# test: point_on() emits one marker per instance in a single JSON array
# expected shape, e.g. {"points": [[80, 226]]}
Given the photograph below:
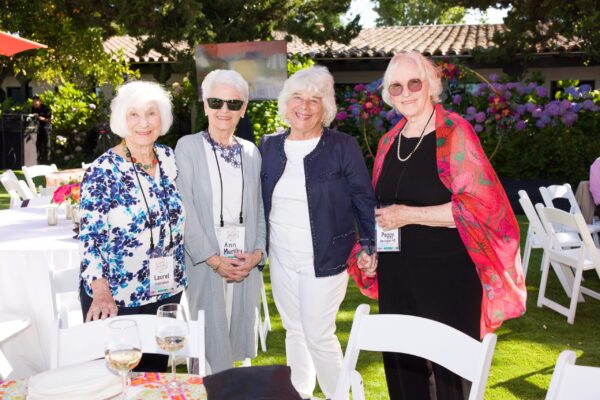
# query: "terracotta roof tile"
{"points": [[431, 40]]}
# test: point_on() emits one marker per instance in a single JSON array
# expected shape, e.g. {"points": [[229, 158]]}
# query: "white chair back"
{"points": [[37, 170], [64, 284], [87, 342], [552, 192], [579, 259], [16, 189], [535, 232], [85, 165], [420, 337], [570, 381]]}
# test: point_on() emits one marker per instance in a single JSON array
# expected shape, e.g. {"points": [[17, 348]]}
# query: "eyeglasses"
{"points": [[216, 104], [413, 85]]}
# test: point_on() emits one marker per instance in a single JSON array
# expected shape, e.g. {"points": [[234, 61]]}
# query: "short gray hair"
{"points": [[136, 94], [227, 77], [317, 80], [429, 71]]}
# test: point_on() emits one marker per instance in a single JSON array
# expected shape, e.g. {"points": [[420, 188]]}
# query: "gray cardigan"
{"points": [[205, 287]]}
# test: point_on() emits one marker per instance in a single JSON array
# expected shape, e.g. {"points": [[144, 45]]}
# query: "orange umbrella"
{"points": [[10, 44]]}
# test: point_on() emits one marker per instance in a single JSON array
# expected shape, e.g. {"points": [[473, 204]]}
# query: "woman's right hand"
{"points": [[103, 304], [228, 268], [367, 264]]}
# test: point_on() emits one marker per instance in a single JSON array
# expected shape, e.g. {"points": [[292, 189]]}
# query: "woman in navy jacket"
{"points": [[316, 193]]}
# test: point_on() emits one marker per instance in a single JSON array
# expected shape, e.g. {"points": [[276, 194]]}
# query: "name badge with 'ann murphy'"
{"points": [[231, 240], [162, 275], [387, 241]]}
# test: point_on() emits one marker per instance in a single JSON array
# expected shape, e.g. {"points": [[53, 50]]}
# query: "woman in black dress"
{"points": [[425, 191]]}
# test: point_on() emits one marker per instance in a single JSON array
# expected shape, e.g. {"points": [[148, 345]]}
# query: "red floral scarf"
{"points": [[482, 213]]}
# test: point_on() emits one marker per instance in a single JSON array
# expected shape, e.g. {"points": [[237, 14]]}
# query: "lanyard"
{"points": [[212, 143], [150, 220]]}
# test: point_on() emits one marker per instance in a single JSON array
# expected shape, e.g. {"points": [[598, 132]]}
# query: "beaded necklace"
{"points": [[138, 164]]}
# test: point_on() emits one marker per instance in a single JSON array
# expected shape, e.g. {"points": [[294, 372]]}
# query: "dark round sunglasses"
{"points": [[216, 104], [413, 85]]}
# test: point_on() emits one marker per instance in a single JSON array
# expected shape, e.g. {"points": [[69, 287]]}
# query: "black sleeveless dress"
{"points": [[432, 276]]}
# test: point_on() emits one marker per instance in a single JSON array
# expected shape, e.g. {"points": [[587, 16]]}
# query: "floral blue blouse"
{"points": [[115, 229]]}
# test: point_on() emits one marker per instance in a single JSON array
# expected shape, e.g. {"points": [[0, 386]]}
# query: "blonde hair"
{"points": [[317, 80], [136, 94], [429, 72]]}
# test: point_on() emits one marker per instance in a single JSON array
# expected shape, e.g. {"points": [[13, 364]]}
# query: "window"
{"points": [[14, 92]]}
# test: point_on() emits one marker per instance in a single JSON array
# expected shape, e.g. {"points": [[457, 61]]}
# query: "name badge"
{"points": [[387, 241], [162, 275], [231, 240]]}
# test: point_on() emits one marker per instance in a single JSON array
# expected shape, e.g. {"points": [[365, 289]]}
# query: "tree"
{"points": [[543, 23], [75, 51], [416, 12]]}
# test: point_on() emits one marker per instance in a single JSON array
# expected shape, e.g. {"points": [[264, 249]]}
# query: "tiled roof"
{"points": [[384, 42], [130, 44]]}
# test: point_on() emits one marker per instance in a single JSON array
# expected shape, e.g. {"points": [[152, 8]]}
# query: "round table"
{"points": [[29, 251], [144, 386]]}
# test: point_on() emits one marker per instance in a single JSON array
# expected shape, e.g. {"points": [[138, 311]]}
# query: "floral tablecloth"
{"points": [[144, 386]]}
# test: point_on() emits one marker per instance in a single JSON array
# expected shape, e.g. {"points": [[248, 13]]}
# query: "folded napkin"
{"points": [[91, 380]]}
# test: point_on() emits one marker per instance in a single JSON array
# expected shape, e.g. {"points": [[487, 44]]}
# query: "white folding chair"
{"points": [[570, 381], [431, 340], [16, 189], [87, 341], [10, 325], [264, 321], [85, 165], [537, 236], [582, 258], [37, 170], [64, 284], [550, 193]]}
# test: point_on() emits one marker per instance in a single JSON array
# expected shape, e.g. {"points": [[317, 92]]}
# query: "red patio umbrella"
{"points": [[10, 44]]}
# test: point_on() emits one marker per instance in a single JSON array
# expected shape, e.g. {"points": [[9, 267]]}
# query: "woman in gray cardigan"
{"points": [[219, 182]]}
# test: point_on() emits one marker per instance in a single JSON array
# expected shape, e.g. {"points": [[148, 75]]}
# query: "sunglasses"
{"points": [[216, 104], [413, 85]]}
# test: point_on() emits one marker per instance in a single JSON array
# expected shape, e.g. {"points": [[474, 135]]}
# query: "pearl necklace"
{"points": [[145, 167], [418, 143]]}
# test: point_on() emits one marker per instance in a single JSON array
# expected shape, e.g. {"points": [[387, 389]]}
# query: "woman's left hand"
{"points": [[393, 217], [249, 260]]}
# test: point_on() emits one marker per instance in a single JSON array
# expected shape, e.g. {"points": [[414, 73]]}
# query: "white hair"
{"points": [[317, 80], [137, 94], [225, 77], [428, 70]]}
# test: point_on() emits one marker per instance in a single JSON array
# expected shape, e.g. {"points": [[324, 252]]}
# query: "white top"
{"points": [[289, 218], [231, 175]]}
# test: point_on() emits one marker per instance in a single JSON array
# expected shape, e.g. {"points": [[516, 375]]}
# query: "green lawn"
{"points": [[527, 347]]}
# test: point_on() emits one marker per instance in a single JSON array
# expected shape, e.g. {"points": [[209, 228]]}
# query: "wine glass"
{"points": [[171, 332], [123, 349]]}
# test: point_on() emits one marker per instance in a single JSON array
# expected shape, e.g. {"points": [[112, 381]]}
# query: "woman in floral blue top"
{"points": [[132, 217]]}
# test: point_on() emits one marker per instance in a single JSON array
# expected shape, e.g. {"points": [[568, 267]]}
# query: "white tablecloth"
{"points": [[29, 250]]}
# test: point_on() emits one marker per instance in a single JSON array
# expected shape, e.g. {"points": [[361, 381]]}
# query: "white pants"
{"points": [[308, 307]]}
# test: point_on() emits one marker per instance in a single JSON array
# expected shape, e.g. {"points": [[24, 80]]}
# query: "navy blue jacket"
{"points": [[339, 192]]}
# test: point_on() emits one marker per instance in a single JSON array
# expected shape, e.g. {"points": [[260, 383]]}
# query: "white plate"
{"points": [[91, 380]]}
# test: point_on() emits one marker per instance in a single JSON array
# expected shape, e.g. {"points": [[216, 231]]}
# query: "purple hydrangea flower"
{"points": [[521, 109], [471, 110], [541, 91], [456, 99], [493, 77], [585, 89], [530, 107], [540, 124], [569, 118], [341, 116], [565, 105], [537, 113], [588, 105], [478, 128], [480, 117], [552, 108], [520, 125]]}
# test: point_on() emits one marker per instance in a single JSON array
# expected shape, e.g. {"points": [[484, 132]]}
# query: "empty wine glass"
{"points": [[171, 332], [123, 349]]}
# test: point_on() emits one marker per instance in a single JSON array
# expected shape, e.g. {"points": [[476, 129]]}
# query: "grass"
{"points": [[525, 354]]}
